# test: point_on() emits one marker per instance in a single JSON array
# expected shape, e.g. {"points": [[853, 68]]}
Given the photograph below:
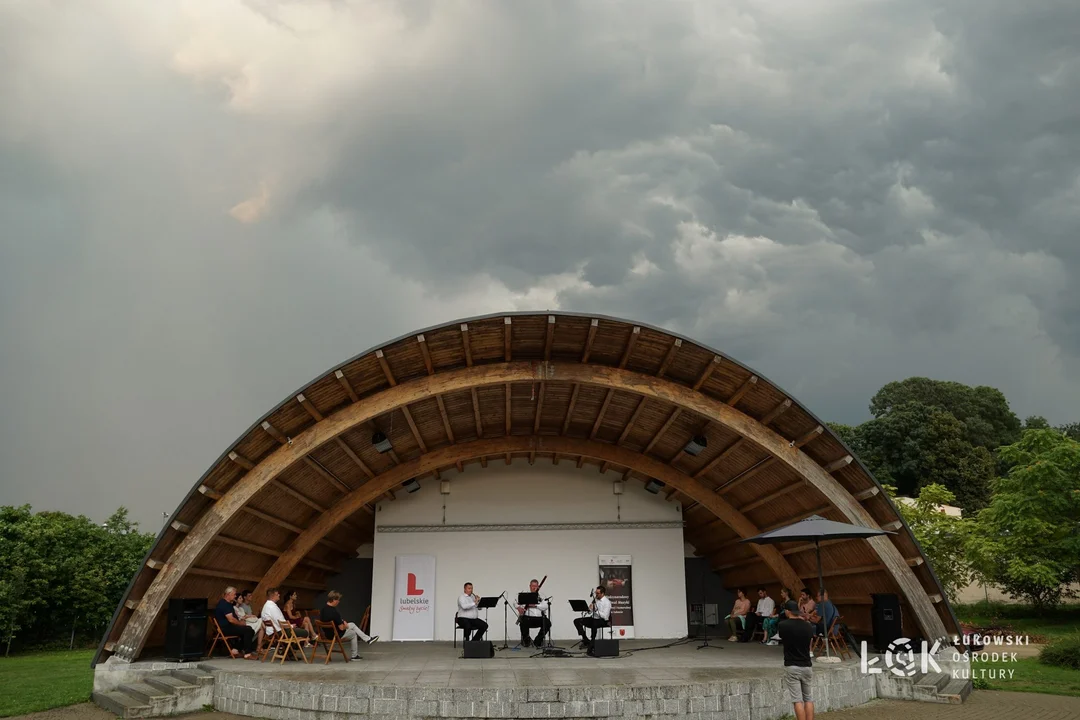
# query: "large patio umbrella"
{"points": [[815, 528]]}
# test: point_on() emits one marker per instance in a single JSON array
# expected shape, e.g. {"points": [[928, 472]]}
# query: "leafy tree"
{"points": [[1027, 541], [1036, 422], [914, 445], [943, 538], [62, 575], [1071, 430], [987, 420]]}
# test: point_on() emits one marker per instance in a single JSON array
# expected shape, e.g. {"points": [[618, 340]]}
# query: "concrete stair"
{"points": [[941, 688], [160, 694]]}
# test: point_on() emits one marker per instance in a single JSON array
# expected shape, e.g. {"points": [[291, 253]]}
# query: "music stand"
{"points": [[485, 604], [582, 607]]}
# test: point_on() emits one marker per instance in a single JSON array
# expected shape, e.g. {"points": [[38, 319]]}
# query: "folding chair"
{"points": [[222, 637], [364, 620], [326, 633], [288, 644], [269, 641], [457, 628], [836, 641]]}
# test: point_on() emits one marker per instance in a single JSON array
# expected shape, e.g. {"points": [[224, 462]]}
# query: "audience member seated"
{"points": [[736, 621], [232, 625], [806, 605], [765, 608], [242, 610], [272, 612], [347, 630], [824, 613], [770, 624], [295, 617]]}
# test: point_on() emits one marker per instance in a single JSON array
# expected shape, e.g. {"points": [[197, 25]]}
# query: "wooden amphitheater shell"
{"points": [[292, 499]]}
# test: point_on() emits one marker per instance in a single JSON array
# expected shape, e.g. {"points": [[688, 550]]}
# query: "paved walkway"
{"points": [[982, 705]]}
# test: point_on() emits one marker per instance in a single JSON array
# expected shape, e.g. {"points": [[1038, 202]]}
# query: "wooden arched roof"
{"points": [[286, 502]]}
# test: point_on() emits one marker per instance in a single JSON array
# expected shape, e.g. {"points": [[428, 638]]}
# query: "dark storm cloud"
{"points": [[203, 206]]}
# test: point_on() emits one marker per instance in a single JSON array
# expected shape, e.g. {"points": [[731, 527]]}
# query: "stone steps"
{"points": [[159, 694], [124, 705], [955, 691]]}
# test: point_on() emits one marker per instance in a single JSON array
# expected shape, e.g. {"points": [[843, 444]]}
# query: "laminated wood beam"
{"points": [[190, 547]]}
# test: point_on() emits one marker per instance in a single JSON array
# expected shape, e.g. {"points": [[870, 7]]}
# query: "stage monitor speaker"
{"points": [[887, 620], [185, 630], [478, 649], [605, 648]]}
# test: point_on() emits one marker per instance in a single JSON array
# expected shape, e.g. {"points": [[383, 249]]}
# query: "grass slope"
{"points": [[45, 680]]}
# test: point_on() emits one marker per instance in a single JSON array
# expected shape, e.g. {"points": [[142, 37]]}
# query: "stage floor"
{"points": [[439, 664]]}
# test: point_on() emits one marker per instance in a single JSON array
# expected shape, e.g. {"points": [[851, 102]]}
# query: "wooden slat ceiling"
{"points": [[764, 489]]}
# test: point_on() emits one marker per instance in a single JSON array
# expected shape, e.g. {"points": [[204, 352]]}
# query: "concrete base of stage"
{"points": [[431, 680]]}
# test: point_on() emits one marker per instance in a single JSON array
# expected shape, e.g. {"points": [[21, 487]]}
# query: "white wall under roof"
{"points": [[507, 558]]}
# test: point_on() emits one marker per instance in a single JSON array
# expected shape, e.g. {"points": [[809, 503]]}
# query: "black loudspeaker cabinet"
{"points": [[478, 649], [185, 629], [887, 619], [605, 648]]}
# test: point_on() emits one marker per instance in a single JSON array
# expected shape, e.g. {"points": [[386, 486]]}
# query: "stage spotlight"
{"points": [[411, 485], [654, 486], [696, 445], [381, 442]]}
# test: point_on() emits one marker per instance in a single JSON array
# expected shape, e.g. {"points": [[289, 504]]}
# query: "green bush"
{"points": [[1062, 653]]}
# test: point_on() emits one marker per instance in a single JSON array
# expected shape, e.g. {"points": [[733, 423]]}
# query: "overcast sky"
{"points": [[203, 205]]}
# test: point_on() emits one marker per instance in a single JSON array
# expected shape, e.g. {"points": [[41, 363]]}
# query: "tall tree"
{"points": [[1027, 541], [60, 574], [942, 537], [914, 445], [988, 421]]}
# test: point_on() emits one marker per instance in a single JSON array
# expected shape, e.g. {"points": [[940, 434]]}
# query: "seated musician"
{"points": [[468, 616], [532, 616], [601, 615]]}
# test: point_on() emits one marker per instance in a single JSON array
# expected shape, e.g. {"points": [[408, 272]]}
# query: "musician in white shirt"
{"points": [[533, 616], [468, 617], [601, 615]]}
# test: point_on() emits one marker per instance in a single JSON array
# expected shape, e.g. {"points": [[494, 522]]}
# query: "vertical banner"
{"points": [[615, 577], [414, 597]]}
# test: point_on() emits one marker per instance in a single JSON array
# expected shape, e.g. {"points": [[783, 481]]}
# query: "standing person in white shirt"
{"points": [[468, 616], [765, 608], [601, 614], [532, 616]]}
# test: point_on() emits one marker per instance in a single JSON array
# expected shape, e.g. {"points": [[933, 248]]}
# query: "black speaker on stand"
{"points": [[887, 618], [185, 631]]}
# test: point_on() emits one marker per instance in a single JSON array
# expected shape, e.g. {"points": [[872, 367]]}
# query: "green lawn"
{"points": [[45, 680], [1030, 675], [1063, 620]]}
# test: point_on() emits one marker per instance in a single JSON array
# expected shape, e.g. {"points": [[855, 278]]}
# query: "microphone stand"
{"points": [[506, 603], [705, 615]]}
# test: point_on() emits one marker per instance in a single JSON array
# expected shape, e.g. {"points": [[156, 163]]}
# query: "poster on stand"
{"points": [[414, 597], [615, 576]]}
